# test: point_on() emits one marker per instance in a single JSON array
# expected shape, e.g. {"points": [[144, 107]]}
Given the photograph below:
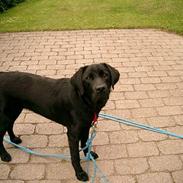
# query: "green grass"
{"points": [[37, 15]]}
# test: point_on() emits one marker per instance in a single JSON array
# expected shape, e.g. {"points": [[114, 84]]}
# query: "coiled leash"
{"points": [[88, 157], [90, 140]]}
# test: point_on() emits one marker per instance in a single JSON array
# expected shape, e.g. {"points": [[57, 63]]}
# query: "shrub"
{"points": [[6, 4]]}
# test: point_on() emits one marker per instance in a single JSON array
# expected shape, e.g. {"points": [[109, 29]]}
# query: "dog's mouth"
{"points": [[100, 98]]}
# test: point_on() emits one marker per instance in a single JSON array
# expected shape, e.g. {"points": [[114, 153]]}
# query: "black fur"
{"points": [[71, 102]]}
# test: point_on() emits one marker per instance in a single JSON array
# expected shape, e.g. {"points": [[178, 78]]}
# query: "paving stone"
{"points": [[5, 170], [171, 146], [107, 125], [142, 149], [59, 171], [144, 87], [148, 136], [151, 102], [34, 141], [165, 163], [111, 151], [143, 112], [58, 140], [179, 119], [178, 176], [101, 139], [49, 128], [169, 110], [159, 177], [177, 130], [28, 172], [45, 181], [135, 95], [122, 179], [11, 181], [149, 91], [24, 129], [35, 118], [106, 166], [18, 156], [123, 137], [158, 93], [161, 121], [52, 150], [131, 166], [126, 104]]}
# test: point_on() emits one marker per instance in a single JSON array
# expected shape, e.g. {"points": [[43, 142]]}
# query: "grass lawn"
{"points": [[37, 15]]}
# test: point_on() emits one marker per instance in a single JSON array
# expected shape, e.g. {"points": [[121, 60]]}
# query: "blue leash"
{"points": [[138, 125], [90, 140], [68, 157]]}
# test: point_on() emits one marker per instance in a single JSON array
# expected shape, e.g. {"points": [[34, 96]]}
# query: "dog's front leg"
{"points": [[75, 158]]}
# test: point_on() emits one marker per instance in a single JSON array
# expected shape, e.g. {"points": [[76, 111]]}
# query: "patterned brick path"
{"points": [[150, 90]]}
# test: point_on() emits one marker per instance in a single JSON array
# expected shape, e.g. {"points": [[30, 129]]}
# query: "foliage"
{"points": [[6, 4]]}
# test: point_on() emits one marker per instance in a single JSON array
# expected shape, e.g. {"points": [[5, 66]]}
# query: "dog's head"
{"points": [[95, 81]]}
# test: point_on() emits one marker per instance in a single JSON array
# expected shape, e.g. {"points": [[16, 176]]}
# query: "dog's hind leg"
{"points": [[13, 111], [4, 122]]}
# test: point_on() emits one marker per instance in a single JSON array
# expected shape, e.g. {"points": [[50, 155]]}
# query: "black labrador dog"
{"points": [[72, 102]]}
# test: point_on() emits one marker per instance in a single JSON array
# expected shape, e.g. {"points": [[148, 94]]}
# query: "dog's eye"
{"points": [[105, 75], [90, 77]]}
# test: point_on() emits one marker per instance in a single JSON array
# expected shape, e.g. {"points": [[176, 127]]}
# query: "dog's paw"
{"points": [[16, 140], [82, 176], [94, 155], [5, 157]]}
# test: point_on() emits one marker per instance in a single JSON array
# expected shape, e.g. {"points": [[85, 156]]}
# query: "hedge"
{"points": [[6, 4]]}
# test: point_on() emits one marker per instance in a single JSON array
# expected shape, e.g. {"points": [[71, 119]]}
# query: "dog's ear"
{"points": [[76, 80], [114, 74]]}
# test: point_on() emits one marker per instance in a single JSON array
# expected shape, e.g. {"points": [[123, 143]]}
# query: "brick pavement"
{"points": [[150, 90]]}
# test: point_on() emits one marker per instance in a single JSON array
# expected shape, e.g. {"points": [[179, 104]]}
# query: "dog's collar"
{"points": [[95, 119]]}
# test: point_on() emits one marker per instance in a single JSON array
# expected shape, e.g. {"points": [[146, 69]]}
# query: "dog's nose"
{"points": [[100, 88]]}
